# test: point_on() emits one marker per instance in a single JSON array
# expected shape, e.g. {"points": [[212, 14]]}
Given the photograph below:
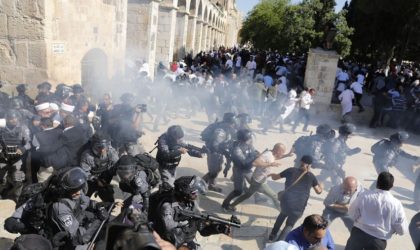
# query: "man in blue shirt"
{"points": [[312, 233]]}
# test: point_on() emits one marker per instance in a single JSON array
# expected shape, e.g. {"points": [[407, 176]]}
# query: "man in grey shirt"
{"points": [[338, 201]]}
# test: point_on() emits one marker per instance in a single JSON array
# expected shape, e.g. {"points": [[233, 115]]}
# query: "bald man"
{"points": [[263, 165], [338, 201]]}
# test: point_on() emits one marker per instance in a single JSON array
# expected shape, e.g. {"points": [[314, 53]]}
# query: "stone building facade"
{"points": [[75, 41], [164, 30]]}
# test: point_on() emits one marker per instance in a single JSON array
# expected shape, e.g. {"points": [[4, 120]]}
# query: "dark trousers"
{"points": [[303, 115], [214, 165], [417, 192], [360, 240], [415, 230], [331, 215], [358, 97], [290, 222]]}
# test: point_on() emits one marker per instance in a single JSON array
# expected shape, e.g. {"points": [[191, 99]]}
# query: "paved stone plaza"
{"points": [[257, 220]]}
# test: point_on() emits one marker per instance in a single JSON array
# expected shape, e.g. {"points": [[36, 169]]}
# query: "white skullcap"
{"points": [[67, 107], [54, 106], [42, 106]]}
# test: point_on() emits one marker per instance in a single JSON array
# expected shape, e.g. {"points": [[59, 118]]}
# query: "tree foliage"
{"points": [[277, 24], [385, 29]]}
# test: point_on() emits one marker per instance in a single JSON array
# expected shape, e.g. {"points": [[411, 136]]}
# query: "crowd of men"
{"points": [[395, 95], [60, 149]]}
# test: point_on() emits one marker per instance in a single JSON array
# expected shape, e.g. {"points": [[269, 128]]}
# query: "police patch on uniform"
{"points": [[67, 220]]}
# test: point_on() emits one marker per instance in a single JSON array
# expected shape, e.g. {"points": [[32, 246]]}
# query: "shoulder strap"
{"points": [[297, 180]]}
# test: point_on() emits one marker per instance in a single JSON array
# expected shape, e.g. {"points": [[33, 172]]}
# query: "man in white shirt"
{"points": [[238, 65], [357, 88], [251, 66], [305, 104], [346, 99], [263, 165], [377, 216]]}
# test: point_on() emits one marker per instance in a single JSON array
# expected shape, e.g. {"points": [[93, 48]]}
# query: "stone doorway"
{"points": [[94, 72]]}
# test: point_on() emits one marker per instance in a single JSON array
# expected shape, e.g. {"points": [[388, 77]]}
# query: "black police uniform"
{"points": [[243, 155], [175, 227], [100, 168], [218, 138], [169, 154], [386, 152]]}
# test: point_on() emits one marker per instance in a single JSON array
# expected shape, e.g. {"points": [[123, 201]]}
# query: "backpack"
{"points": [[39, 197], [150, 166], [303, 145], [156, 200], [207, 134]]}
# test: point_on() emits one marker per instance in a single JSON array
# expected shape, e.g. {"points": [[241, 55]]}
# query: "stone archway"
{"points": [[94, 71]]}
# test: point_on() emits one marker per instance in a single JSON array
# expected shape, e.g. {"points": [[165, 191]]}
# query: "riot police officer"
{"points": [[243, 155], [312, 145], [218, 137], [386, 151], [170, 149], [27, 102], [335, 152], [133, 180], [72, 214], [124, 122], [244, 121], [15, 139], [99, 163], [180, 230]]}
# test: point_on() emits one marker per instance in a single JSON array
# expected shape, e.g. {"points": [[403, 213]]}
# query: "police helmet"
{"points": [[99, 141], [12, 114], [188, 186], [44, 86], [126, 167], [244, 135], [323, 129], [21, 88], [230, 118], [175, 132], [400, 137], [73, 180], [31, 241], [244, 118], [347, 129], [77, 89]]}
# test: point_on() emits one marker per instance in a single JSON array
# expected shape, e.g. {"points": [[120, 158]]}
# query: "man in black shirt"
{"points": [[299, 182]]}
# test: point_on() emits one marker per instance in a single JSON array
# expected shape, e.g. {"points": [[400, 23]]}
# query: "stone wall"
{"points": [[321, 69], [86, 40], [22, 41]]}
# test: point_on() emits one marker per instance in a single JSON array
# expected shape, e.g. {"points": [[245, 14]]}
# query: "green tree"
{"points": [[277, 24], [384, 29]]}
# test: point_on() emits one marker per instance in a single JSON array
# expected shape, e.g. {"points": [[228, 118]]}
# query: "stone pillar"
{"points": [[208, 41], [198, 36], [213, 37], [321, 69], [191, 34], [166, 35], [142, 23], [204, 37], [181, 35]]}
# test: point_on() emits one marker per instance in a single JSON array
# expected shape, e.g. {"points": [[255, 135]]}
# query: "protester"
{"points": [[375, 222], [339, 199], [312, 233], [299, 182]]}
